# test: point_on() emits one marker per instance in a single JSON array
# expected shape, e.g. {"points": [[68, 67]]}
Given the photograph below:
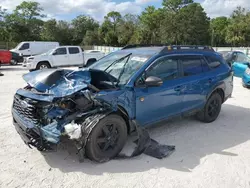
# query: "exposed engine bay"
{"points": [[58, 103]]}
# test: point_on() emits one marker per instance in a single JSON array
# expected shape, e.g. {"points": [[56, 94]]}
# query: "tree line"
{"points": [[176, 22]]}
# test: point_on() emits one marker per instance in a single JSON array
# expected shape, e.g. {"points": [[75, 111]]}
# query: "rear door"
{"points": [[75, 56], [195, 82], [60, 57], [158, 103]]}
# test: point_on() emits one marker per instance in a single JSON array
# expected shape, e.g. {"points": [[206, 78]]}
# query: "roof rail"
{"points": [[142, 45], [171, 47]]}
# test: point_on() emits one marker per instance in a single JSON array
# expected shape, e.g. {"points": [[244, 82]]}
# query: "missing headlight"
{"points": [[67, 104]]}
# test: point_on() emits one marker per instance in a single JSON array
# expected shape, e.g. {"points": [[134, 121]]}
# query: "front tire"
{"points": [[43, 65], [13, 62], [211, 110], [107, 138]]}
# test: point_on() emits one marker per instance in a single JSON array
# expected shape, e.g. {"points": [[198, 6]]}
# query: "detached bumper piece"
{"points": [[148, 146], [30, 134]]}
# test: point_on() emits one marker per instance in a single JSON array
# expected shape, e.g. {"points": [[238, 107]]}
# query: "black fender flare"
{"points": [[220, 86]]}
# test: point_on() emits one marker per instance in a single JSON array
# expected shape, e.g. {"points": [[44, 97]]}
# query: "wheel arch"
{"points": [[40, 62], [124, 114], [218, 89]]}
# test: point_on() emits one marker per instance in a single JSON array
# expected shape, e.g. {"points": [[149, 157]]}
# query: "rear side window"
{"points": [[166, 69], [73, 50], [213, 62], [192, 65]]}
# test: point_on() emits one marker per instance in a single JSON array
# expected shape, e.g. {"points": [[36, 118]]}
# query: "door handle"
{"points": [[178, 88]]}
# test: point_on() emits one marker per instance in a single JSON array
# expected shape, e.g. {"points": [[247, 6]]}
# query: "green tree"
{"points": [[175, 5], [108, 29], [218, 30], [81, 25], [151, 20], [184, 22], [4, 35], [114, 18], [127, 28], [238, 30], [25, 23], [64, 33], [29, 10], [50, 31], [91, 38]]}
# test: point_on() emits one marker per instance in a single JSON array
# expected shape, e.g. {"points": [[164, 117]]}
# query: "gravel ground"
{"points": [[207, 155]]}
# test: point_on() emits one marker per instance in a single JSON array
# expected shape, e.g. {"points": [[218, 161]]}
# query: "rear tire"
{"points": [[43, 65], [211, 110], [107, 139]]}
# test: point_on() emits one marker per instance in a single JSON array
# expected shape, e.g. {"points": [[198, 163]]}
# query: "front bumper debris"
{"points": [[30, 134]]}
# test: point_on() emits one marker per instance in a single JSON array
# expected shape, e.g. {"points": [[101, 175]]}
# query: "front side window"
{"points": [[74, 50], [192, 65], [25, 46], [60, 51], [166, 69], [241, 57]]}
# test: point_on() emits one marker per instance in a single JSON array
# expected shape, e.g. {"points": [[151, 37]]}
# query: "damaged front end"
{"points": [[58, 103], [54, 102]]}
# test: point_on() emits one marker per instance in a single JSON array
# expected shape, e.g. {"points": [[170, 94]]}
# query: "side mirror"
{"points": [[54, 53], [153, 81]]}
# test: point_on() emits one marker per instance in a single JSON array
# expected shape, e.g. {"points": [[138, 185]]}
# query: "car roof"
{"points": [[68, 46], [143, 49], [164, 50]]}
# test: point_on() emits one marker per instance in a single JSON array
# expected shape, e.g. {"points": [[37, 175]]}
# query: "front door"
{"points": [[25, 49], [60, 57], [158, 103]]}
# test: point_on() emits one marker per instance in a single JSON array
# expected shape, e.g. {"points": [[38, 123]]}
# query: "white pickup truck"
{"points": [[63, 56]]}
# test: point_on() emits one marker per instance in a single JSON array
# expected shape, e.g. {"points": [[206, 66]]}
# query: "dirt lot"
{"points": [[207, 155]]}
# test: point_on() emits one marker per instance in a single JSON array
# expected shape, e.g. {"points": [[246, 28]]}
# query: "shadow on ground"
{"points": [[8, 68], [193, 141]]}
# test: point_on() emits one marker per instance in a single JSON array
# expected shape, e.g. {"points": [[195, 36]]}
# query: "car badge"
{"points": [[24, 104]]}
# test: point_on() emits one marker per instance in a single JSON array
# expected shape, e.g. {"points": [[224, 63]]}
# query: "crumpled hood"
{"points": [[58, 82]]}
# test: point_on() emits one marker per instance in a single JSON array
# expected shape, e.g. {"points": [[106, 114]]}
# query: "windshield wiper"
{"points": [[118, 60], [122, 71]]}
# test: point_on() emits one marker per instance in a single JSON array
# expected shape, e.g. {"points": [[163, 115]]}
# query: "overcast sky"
{"points": [[69, 9]]}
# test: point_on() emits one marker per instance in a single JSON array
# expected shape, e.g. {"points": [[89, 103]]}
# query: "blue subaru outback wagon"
{"points": [[137, 86]]}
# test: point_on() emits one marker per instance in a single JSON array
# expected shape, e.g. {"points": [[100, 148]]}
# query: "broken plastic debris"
{"points": [[157, 150], [73, 130], [148, 146]]}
